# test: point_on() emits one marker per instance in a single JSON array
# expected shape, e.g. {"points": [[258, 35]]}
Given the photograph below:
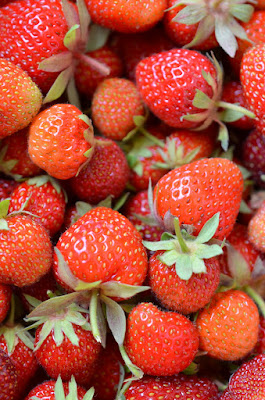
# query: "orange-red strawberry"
{"points": [[61, 140], [114, 105], [20, 98], [43, 197], [228, 327], [248, 382], [160, 343], [106, 174], [127, 17], [14, 157], [256, 229], [195, 192], [171, 388]]}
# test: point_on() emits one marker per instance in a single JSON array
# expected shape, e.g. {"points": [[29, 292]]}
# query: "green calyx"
{"points": [[174, 156], [215, 16], [187, 252], [215, 110]]}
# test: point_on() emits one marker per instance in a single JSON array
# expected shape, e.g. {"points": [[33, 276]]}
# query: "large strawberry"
{"points": [[196, 191], [61, 140], [229, 326], [161, 343], [20, 98]]}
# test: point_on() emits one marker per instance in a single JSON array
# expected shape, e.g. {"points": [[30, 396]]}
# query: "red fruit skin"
{"points": [[178, 295], [171, 388], [68, 359], [212, 184], [8, 378], [114, 104], [228, 327], [253, 155], [94, 253], [26, 251], [6, 187], [248, 382], [106, 174], [44, 201], [160, 343], [46, 390], [177, 71], [256, 229], [127, 17], [260, 347], [42, 26], [87, 79], [5, 298]]}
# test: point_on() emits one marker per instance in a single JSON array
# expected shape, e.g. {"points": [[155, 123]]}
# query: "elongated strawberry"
{"points": [[167, 351], [127, 17], [61, 140], [228, 327], [196, 191], [20, 98]]}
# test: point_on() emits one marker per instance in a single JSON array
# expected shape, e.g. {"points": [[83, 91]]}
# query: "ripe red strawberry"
{"points": [[256, 229], [26, 250], [106, 174], [228, 327], [120, 257], [44, 198], [253, 155], [114, 105], [5, 298], [64, 344], [61, 140], [171, 388], [8, 378], [248, 382], [87, 78], [160, 343], [20, 98], [56, 390], [127, 17], [214, 184], [14, 157]]}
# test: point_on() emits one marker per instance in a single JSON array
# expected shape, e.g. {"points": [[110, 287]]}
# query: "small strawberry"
{"points": [[57, 390], [114, 105], [8, 378], [195, 192], [20, 98], [248, 382], [14, 158], [43, 197], [256, 229], [5, 298], [228, 327], [26, 249], [161, 343], [106, 174], [171, 388], [61, 140], [127, 17]]}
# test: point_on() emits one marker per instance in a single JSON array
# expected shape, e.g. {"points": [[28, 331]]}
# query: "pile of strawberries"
{"points": [[132, 203]]}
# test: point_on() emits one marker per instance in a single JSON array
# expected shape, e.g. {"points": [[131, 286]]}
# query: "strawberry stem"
{"points": [[93, 307], [235, 107], [182, 243]]}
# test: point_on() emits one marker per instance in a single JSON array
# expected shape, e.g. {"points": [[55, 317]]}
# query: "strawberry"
{"points": [[127, 17], [44, 198], [106, 174], [161, 343], [187, 266], [26, 249], [213, 184], [114, 105], [56, 390], [248, 382], [180, 386], [87, 78], [228, 327], [61, 140], [260, 346], [207, 24], [256, 229], [8, 378], [5, 298], [14, 157], [20, 98], [6, 187], [253, 154], [64, 344]]}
